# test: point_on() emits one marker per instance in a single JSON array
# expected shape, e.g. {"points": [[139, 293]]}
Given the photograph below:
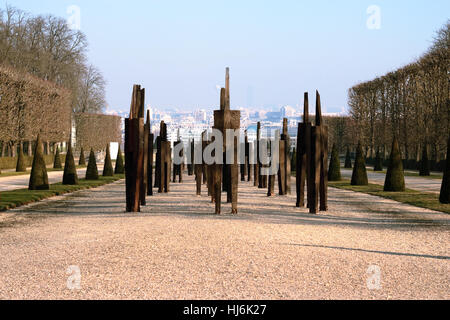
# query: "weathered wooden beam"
{"points": [[303, 153]]}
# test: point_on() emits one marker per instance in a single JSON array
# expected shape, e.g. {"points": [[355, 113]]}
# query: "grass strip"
{"points": [[16, 198], [415, 198]]}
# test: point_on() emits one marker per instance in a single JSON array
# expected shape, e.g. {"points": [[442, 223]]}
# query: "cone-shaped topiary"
{"points": [[108, 170], [70, 176], [82, 161], [38, 176], [424, 163], [334, 171], [92, 171], [359, 176], [445, 189], [348, 159], [120, 168], [378, 162], [395, 179], [21, 165], [57, 162]]}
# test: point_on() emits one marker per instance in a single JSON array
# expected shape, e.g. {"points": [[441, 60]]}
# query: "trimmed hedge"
{"points": [[11, 162]]}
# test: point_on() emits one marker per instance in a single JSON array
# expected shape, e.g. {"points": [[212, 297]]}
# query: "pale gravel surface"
{"points": [[176, 249], [414, 183]]}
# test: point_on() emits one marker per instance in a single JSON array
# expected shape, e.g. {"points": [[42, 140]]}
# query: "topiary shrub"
{"points": [[445, 188], [395, 179], [70, 176], [108, 170], [82, 161], [57, 162], [424, 169], [21, 164], [378, 162], [334, 171], [348, 159], [120, 168], [38, 176], [359, 176], [92, 171]]}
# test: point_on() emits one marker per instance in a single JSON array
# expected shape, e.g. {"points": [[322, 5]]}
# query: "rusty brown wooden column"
{"points": [[150, 164], [313, 149], [303, 153], [164, 159], [247, 157], [271, 179], [145, 183], [226, 119], [134, 151], [191, 165], [178, 168]]}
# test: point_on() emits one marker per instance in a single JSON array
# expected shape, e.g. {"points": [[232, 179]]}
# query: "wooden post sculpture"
{"points": [[198, 168], [323, 156], [226, 119], [284, 173], [312, 160], [303, 149], [247, 157], [191, 165], [271, 185], [144, 181], [262, 179], [256, 149], [134, 150], [243, 165], [178, 168], [204, 165], [151, 139], [164, 166], [158, 162]]}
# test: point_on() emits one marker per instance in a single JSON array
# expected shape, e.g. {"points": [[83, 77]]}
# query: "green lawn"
{"points": [[412, 197], [407, 174], [16, 198]]}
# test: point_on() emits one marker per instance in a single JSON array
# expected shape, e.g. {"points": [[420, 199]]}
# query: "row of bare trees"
{"points": [[30, 106], [34, 48], [46, 47], [411, 103], [97, 130]]}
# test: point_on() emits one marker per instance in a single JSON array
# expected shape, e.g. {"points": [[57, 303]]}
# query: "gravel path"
{"points": [[414, 183], [175, 249]]}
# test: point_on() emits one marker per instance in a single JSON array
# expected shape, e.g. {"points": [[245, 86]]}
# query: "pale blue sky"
{"points": [[178, 50]]}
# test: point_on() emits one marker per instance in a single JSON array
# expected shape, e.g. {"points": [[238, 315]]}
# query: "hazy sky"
{"points": [[178, 50]]}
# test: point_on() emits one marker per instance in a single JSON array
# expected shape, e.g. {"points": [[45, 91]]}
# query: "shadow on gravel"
{"points": [[373, 251]]}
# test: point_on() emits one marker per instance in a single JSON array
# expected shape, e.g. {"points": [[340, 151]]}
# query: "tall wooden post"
{"points": [[224, 119], [303, 153], [150, 159], [191, 165], [256, 166], [247, 157], [164, 166], [145, 183], [134, 151]]}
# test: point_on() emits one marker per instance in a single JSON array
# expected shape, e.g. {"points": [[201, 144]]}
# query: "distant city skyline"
{"points": [[277, 50]]}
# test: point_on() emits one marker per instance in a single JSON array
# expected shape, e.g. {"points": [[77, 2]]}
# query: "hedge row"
{"points": [[11, 162]]}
